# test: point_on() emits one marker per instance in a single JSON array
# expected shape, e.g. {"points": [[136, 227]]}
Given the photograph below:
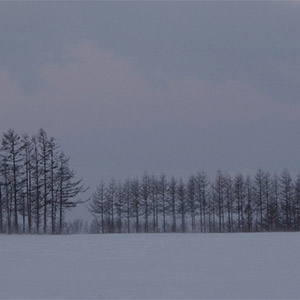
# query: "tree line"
{"points": [[240, 203], [37, 184], [37, 187]]}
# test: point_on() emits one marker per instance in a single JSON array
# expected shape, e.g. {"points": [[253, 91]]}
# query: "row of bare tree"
{"points": [[36, 184], [226, 204]]}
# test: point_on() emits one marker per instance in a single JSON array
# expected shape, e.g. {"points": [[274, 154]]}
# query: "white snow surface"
{"points": [[151, 266]]}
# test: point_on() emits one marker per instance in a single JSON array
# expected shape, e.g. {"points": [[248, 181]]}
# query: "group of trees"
{"points": [[226, 204], [37, 185]]}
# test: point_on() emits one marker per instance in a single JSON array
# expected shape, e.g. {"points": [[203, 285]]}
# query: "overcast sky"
{"points": [[172, 87]]}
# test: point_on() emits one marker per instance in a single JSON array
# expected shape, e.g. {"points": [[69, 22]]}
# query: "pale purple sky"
{"points": [[174, 87]]}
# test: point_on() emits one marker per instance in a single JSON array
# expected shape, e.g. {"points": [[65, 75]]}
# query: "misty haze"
{"points": [[149, 150]]}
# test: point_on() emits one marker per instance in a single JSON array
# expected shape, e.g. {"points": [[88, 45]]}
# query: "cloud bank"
{"points": [[104, 101]]}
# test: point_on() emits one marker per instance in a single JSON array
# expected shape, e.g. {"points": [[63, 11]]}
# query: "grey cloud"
{"points": [[158, 86], [113, 121], [257, 42]]}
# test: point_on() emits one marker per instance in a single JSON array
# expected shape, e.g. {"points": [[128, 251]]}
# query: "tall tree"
{"points": [[11, 150], [162, 192], [287, 187], [274, 216], [202, 192], [249, 204], [37, 183], [6, 183], [172, 193], [297, 204], [182, 205], [268, 217], [97, 204], [68, 188], [219, 193], [27, 155], [119, 205], [135, 202], [44, 151], [154, 202], [111, 194], [145, 200], [259, 199], [239, 194], [53, 169], [191, 200], [1, 209], [229, 201], [127, 205]]}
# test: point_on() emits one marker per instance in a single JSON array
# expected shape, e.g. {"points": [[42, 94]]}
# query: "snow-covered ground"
{"points": [[156, 266]]}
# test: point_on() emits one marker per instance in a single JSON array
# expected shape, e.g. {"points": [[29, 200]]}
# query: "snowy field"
{"points": [[151, 266]]}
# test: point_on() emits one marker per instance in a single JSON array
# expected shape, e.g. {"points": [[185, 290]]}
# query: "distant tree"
{"points": [[75, 227], [229, 201], [37, 184], [53, 168], [33, 179], [95, 226], [162, 193], [218, 195], [44, 152], [11, 151], [287, 190], [6, 195], [154, 202], [172, 197], [259, 199], [97, 205], [202, 192], [274, 216], [239, 195], [135, 203], [249, 204], [68, 188], [1, 209], [262, 203], [268, 217], [211, 209], [27, 150], [119, 204], [297, 204], [127, 203], [145, 200], [111, 198], [191, 200], [182, 205]]}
